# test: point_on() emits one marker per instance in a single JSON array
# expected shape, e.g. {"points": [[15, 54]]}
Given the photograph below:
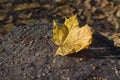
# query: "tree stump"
{"points": [[26, 53]]}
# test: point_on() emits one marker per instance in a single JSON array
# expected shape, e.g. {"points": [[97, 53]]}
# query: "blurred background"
{"points": [[102, 15]]}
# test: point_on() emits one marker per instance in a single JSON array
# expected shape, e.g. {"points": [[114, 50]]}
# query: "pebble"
{"points": [[1, 49]]}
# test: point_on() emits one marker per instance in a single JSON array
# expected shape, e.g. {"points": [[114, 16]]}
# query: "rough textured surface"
{"points": [[26, 53]]}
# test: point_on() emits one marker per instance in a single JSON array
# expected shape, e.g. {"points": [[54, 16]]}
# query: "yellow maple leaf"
{"points": [[70, 37]]}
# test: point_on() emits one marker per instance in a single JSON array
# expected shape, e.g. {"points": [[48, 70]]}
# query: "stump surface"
{"points": [[27, 54]]}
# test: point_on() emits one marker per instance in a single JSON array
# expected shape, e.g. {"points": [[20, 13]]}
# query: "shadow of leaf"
{"points": [[101, 48]]}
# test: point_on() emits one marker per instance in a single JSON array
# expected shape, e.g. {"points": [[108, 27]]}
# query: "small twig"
{"points": [[101, 48], [94, 48]]}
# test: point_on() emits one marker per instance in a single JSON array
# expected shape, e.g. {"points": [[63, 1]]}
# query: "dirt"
{"points": [[26, 53]]}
